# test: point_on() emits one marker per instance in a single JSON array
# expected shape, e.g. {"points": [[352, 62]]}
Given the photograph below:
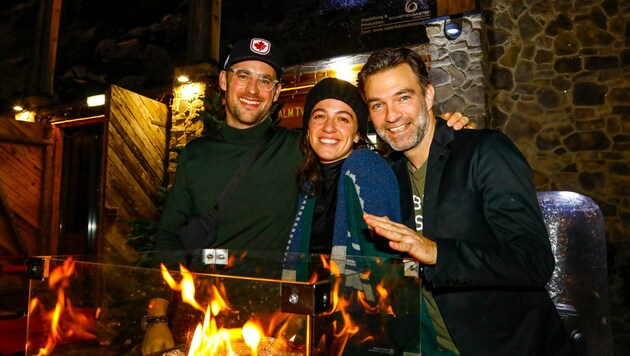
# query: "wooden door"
{"points": [[134, 169]]}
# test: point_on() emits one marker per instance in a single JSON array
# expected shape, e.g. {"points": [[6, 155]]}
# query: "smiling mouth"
{"points": [[249, 102], [329, 141], [397, 128]]}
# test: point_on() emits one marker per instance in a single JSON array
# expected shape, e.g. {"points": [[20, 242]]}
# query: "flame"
{"points": [[212, 338], [252, 334], [186, 286], [382, 305], [208, 338], [65, 323]]}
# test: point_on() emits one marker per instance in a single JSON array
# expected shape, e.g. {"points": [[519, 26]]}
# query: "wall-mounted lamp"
{"points": [[95, 100], [18, 108], [25, 115], [190, 91], [183, 78], [453, 28]]}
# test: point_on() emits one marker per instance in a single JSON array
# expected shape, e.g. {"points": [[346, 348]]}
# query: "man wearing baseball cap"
{"points": [[258, 214]]}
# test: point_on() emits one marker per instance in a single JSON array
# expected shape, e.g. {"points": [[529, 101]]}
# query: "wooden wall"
{"points": [[29, 157], [135, 161], [29, 197]]}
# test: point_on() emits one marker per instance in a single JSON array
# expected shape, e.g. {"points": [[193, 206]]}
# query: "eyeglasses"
{"points": [[243, 77]]}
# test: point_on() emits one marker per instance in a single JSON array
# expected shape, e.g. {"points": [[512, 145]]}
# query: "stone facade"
{"points": [[559, 86], [456, 68]]}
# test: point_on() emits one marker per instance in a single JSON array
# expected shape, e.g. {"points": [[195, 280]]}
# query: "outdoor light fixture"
{"points": [[28, 116], [343, 70], [18, 108], [96, 100], [453, 29], [183, 79], [190, 92]]}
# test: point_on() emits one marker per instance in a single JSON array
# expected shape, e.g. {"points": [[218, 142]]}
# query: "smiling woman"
{"points": [[339, 179], [332, 130]]}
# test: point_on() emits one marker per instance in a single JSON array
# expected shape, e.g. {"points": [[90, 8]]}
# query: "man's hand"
{"points": [[403, 239], [458, 121], [158, 337]]}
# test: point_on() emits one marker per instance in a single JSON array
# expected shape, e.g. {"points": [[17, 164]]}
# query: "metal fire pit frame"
{"points": [[306, 299]]}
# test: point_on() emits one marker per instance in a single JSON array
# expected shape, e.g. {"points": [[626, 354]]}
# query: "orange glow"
{"points": [[382, 306], [186, 286], [280, 329], [64, 322], [252, 334]]}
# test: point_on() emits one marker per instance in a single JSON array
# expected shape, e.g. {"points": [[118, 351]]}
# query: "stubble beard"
{"points": [[413, 138], [238, 115]]}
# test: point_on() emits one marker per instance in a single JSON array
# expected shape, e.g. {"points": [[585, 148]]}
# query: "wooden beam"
{"points": [[215, 31], [45, 47], [23, 139], [199, 41], [51, 191]]}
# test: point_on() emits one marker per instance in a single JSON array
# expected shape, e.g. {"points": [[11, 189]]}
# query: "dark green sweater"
{"points": [[260, 211]]}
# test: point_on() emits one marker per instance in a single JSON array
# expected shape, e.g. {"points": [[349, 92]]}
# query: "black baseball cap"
{"points": [[255, 49]]}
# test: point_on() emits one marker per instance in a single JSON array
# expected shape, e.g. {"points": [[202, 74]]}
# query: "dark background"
{"points": [[137, 44]]}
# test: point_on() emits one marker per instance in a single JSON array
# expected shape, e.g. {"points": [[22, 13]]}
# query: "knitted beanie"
{"points": [[333, 88]]}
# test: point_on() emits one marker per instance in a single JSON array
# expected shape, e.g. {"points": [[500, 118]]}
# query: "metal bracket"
{"points": [[37, 268], [411, 268], [306, 299], [214, 256]]}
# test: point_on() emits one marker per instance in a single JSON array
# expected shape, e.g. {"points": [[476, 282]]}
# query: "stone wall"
{"points": [[559, 87], [456, 68]]}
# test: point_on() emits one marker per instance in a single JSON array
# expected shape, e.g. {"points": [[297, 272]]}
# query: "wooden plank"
{"points": [[146, 140], [7, 212], [25, 140], [22, 147], [21, 178], [455, 7], [148, 176], [51, 191], [12, 129], [134, 166], [127, 193]]}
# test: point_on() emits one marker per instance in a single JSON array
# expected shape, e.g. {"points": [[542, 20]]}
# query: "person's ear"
{"points": [[277, 94], [428, 97], [223, 80]]}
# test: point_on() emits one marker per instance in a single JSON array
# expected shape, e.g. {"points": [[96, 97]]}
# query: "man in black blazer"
{"points": [[470, 216]]}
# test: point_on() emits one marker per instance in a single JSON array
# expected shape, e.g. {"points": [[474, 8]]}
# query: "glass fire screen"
{"points": [[240, 304]]}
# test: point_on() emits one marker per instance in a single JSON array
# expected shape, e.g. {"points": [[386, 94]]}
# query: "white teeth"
{"points": [[250, 102], [328, 140], [397, 129]]}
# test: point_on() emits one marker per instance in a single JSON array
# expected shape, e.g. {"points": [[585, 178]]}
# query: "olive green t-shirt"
{"points": [[444, 340]]}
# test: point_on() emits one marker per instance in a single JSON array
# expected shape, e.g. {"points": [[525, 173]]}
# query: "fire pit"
{"points": [[78, 306]]}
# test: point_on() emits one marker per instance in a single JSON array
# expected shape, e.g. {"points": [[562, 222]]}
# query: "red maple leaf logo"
{"points": [[260, 46]]}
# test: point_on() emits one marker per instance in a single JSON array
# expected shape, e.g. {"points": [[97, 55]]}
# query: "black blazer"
{"points": [[494, 255]]}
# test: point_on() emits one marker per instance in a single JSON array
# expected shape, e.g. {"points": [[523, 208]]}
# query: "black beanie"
{"points": [[333, 88]]}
